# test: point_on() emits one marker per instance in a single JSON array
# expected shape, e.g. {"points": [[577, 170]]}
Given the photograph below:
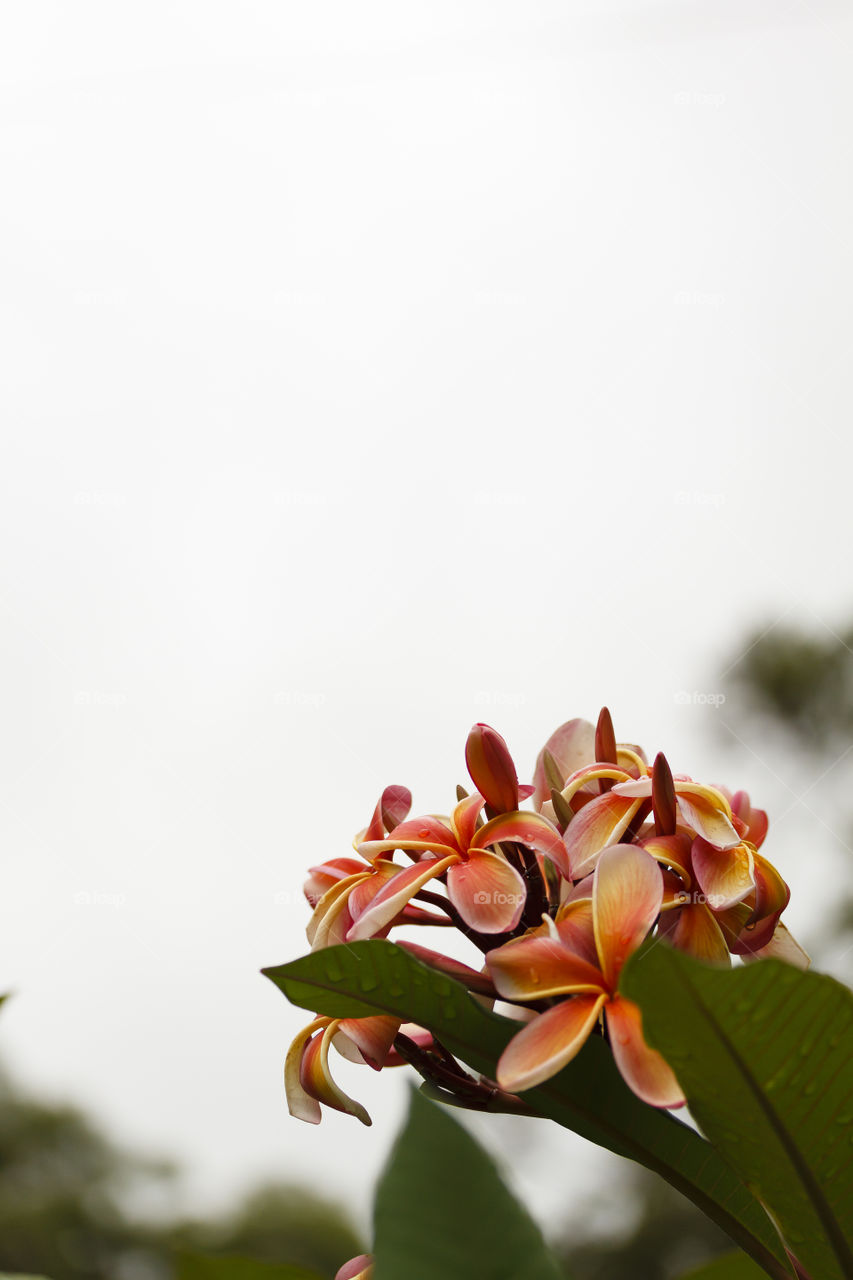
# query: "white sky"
{"points": [[368, 370]]}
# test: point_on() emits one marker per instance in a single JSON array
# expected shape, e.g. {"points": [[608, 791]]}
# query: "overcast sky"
{"points": [[368, 370]]}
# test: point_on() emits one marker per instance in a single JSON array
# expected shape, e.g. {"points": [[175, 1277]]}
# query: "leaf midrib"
{"points": [[828, 1220]]}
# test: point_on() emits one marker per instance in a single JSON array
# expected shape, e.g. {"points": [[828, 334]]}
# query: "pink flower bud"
{"points": [[491, 768]]}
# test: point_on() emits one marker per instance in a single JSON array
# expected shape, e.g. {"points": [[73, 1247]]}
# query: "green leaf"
{"points": [[732, 1266], [588, 1096], [443, 1210], [192, 1266], [764, 1054]]}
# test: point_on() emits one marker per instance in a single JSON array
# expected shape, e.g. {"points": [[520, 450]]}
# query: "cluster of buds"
{"points": [[555, 898]]}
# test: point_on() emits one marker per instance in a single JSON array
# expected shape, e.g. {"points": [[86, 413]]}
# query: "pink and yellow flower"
{"points": [[483, 887], [580, 956]]}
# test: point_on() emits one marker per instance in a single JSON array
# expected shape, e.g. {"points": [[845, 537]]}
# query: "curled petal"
{"points": [[725, 876], [372, 1037], [692, 928], [771, 892], [599, 824], [534, 968], [592, 773], [548, 1042], [464, 817], [491, 768], [529, 829], [782, 946], [417, 835], [362, 894], [572, 746], [316, 1078], [395, 895], [755, 819], [487, 892], [575, 923], [707, 812], [322, 877], [300, 1103], [631, 759], [330, 905], [626, 900], [643, 1069], [671, 851]]}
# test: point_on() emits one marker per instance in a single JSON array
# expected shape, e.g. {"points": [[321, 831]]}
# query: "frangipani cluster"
{"points": [[555, 897]]}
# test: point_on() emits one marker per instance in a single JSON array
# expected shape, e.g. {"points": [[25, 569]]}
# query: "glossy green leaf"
{"points": [[764, 1054], [192, 1266], [443, 1210], [588, 1096], [732, 1266]]}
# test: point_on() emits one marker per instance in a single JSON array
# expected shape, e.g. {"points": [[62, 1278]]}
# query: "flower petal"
{"points": [[300, 1103], [534, 968], [756, 819], [529, 829], [360, 1268], [316, 1078], [372, 1037], [394, 804], [643, 1069], [725, 876], [395, 894], [572, 746], [464, 817], [575, 923], [707, 811], [487, 892], [545, 1045], [626, 899], [332, 901], [671, 851], [322, 877], [599, 824], [592, 773], [692, 928], [782, 946]]}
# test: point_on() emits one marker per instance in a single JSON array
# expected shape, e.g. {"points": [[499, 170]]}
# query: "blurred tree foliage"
{"points": [[801, 682], [668, 1237], [67, 1198]]}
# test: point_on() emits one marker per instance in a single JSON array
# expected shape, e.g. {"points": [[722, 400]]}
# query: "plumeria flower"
{"points": [[341, 889], [487, 892], [581, 956], [308, 1080]]}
